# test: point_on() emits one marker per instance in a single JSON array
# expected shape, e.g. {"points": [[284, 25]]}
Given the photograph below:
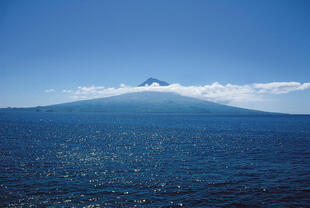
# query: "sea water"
{"points": [[153, 160]]}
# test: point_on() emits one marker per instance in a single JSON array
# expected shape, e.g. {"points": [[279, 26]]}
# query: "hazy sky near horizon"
{"points": [[256, 54]]}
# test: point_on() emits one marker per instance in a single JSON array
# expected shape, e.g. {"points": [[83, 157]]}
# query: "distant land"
{"points": [[144, 102], [148, 102]]}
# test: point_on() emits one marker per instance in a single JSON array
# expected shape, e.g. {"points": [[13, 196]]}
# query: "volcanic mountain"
{"points": [[145, 102]]}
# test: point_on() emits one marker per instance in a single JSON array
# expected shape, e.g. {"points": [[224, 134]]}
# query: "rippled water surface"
{"points": [[153, 160]]}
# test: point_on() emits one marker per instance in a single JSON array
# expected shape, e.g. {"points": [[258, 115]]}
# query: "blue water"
{"points": [[153, 160]]}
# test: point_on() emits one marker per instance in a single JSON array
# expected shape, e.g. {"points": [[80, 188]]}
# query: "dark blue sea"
{"points": [[153, 160]]}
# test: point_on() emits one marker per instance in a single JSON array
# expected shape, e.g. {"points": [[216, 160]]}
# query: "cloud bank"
{"points": [[280, 87], [216, 92]]}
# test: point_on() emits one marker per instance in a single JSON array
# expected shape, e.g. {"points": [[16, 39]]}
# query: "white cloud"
{"points": [[50, 90], [67, 91], [304, 86], [280, 87], [228, 93]]}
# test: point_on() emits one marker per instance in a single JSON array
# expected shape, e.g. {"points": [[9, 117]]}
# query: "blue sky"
{"points": [[62, 45]]}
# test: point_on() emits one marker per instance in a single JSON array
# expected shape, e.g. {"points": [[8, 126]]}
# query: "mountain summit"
{"points": [[151, 80]]}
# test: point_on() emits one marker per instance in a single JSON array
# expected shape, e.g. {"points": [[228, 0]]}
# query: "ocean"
{"points": [[50, 159]]}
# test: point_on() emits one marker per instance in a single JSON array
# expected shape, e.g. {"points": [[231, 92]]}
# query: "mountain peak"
{"points": [[152, 80]]}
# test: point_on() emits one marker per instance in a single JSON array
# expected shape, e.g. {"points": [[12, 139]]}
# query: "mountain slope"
{"points": [[153, 102]]}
